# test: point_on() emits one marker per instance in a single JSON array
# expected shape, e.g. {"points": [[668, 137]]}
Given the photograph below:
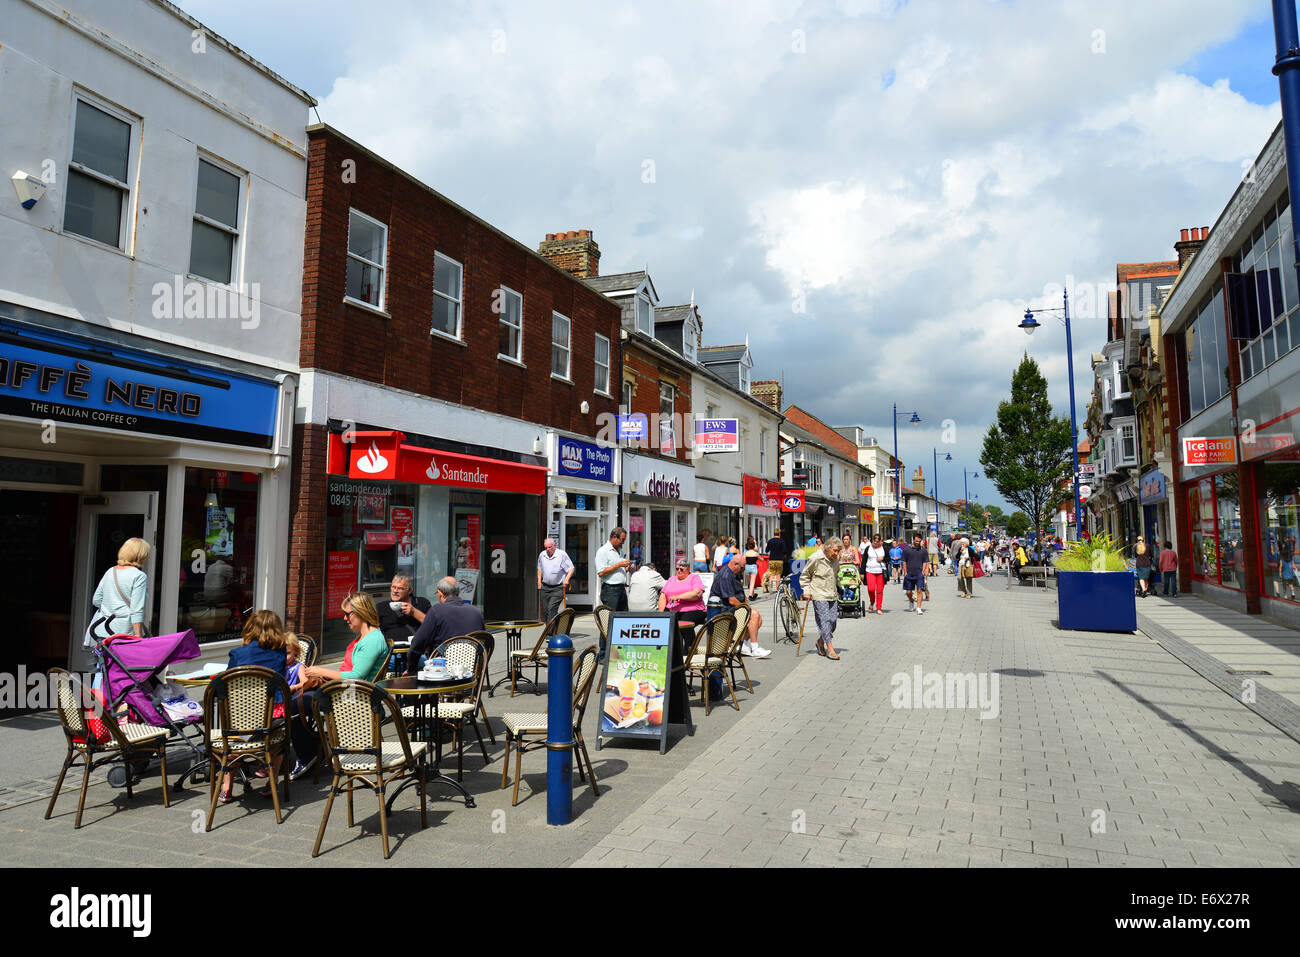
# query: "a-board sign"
{"points": [[643, 686]]}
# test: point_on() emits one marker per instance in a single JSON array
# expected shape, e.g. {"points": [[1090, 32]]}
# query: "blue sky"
{"points": [[871, 192]]}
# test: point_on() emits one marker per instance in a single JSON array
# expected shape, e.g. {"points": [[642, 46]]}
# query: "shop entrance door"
{"points": [[661, 541], [103, 524], [580, 545]]}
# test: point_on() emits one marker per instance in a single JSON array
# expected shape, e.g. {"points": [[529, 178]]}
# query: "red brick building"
{"points": [[443, 363]]}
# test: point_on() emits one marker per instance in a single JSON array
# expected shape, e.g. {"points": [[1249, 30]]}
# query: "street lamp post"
{"points": [[1029, 324], [966, 491], [898, 478]]}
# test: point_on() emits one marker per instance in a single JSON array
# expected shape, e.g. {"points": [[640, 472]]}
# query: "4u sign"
{"points": [[792, 500]]}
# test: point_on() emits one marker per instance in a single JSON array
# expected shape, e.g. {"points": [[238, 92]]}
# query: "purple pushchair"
{"points": [[132, 669]]}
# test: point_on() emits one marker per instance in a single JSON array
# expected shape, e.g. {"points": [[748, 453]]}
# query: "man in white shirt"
{"points": [[554, 571], [611, 568], [643, 592]]}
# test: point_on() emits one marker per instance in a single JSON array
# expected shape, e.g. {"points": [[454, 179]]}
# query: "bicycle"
{"points": [[787, 613]]}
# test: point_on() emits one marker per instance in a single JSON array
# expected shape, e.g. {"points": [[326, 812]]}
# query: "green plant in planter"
{"points": [[1097, 554]]}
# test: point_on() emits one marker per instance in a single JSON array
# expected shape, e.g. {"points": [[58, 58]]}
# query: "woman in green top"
{"points": [[363, 659]]}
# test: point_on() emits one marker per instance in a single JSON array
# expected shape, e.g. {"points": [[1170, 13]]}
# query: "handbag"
{"points": [[979, 571]]}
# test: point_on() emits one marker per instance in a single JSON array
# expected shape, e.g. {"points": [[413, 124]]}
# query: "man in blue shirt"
{"points": [[450, 618], [896, 559], [728, 592]]}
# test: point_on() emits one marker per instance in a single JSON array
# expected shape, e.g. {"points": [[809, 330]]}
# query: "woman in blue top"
{"points": [[121, 595], [263, 647]]}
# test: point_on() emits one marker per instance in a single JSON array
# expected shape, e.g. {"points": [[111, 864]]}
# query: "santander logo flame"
{"points": [[373, 461], [432, 470]]}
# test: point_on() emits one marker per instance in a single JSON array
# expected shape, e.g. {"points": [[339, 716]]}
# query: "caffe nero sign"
{"points": [[584, 460], [64, 378]]}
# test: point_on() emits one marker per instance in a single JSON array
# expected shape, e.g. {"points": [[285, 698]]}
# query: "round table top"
{"points": [[195, 682], [411, 685], [517, 623]]}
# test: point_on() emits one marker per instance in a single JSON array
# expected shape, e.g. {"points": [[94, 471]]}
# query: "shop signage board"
{"points": [[717, 435], [792, 500], [340, 579], [1220, 450], [1152, 488], [760, 492], [401, 519], [584, 460], [51, 375], [643, 684], [633, 428], [384, 455]]}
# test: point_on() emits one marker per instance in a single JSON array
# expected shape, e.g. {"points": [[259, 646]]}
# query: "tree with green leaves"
{"points": [[1017, 524], [1027, 453]]}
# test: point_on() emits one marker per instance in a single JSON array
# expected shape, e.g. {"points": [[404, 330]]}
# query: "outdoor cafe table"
{"points": [[424, 696], [514, 642]]}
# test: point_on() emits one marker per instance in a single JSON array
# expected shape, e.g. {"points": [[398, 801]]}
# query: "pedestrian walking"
{"points": [[720, 553], [874, 569], [776, 554], [821, 586], [1142, 564], [896, 559], [554, 571], [953, 545], [965, 569], [916, 567], [1286, 564], [848, 553], [932, 547], [700, 554], [751, 567], [1169, 569]]}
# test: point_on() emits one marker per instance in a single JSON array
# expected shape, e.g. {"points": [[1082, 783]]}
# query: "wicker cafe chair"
{"points": [[352, 714], [384, 672], [127, 742], [734, 657], [561, 624], [708, 655], [604, 616], [238, 727], [310, 650], [528, 731], [465, 651], [489, 643]]}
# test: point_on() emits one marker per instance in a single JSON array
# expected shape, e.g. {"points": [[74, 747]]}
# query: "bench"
{"points": [[1035, 574]]}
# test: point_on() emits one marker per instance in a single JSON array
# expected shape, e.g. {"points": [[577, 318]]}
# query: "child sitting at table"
{"points": [[292, 666]]}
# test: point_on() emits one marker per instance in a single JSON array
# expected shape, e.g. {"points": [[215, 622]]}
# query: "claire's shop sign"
{"points": [[50, 375], [584, 460], [660, 486]]}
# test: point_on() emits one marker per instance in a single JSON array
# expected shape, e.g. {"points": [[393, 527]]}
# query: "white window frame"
{"points": [[689, 347], [671, 396], [237, 251], [744, 377], [625, 407], [1120, 426], [132, 169], [382, 267], [762, 453], [608, 366], [459, 300], [568, 347], [650, 313], [506, 293]]}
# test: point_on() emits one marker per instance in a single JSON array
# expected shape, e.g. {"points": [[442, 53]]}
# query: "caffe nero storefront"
{"points": [[118, 437]]}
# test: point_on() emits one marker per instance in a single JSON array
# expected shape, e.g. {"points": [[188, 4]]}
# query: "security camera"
{"points": [[28, 187]]}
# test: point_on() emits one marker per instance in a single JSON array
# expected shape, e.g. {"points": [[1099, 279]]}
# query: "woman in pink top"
{"points": [[684, 594]]}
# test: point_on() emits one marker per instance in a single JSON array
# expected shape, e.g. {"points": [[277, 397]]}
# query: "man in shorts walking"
{"points": [[915, 567]]}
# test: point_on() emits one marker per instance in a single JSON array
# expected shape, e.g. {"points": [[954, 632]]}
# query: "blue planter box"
{"points": [[1096, 601]]}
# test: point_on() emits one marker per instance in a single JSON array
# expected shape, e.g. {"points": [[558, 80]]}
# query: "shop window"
{"points": [[1231, 553], [1279, 525], [218, 552]]}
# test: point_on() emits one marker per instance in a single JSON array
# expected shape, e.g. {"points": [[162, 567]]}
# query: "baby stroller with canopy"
{"points": [[131, 671], [850, 585]]}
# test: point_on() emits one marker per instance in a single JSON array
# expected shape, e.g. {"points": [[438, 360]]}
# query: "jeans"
{"points": [[615, 596], [699, 566], [1170, 580]]}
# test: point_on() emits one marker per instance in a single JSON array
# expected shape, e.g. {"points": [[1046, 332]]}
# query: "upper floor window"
{"points": [[689, 340], [214, 234], [744, 378], [98, 193], [667, 441], [367, 259], [625, 407], [602, 365], [762, 452], [560, 351], [645, 316], [447, 283], [1126, 435], [512, 325]]}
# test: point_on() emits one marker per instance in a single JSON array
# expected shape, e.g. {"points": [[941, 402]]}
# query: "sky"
{"points": [[870, 191]]}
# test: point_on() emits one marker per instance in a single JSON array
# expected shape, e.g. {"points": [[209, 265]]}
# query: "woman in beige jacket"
{"points": [[820, 583]]}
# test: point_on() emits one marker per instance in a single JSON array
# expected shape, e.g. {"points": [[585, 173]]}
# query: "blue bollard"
{"points": [[559, 730]]}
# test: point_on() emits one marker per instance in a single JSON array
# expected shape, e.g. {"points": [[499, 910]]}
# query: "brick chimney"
{"points": [[574, 251], [767, 391], [918, 481], [1189, 241]]}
